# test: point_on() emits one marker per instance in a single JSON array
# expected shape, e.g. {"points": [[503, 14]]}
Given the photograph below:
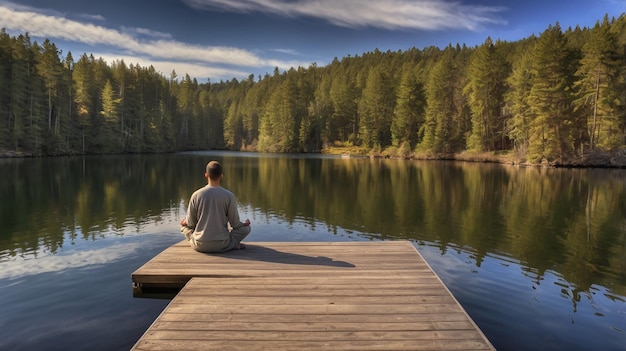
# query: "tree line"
{"points": [[556, 98]]}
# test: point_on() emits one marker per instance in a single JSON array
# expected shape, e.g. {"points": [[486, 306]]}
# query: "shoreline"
{"points": [[592, 160]]}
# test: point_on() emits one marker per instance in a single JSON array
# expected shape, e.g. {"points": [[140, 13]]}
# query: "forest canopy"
{"points": [[556, 98]]}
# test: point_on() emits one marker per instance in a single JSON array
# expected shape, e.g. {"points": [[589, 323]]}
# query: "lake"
{"points": [[536, 256]]}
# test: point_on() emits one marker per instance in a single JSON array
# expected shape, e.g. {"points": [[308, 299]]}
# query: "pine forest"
{"points": [[556, 98]]}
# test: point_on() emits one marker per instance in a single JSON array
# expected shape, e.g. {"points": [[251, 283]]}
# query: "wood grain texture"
{"points": [[306, 296]]}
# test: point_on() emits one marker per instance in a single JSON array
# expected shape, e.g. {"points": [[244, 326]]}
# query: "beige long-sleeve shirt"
{"points": [[211, 209]]}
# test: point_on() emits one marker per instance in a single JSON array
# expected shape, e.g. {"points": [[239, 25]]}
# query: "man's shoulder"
{"points": [[199, 191], [214, 190], [225, 191]]}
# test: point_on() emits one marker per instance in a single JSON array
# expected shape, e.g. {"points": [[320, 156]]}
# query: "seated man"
{"points": [[212, 223]]}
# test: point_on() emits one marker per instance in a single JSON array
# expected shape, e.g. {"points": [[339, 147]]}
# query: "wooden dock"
{"points": [[304, 296]]}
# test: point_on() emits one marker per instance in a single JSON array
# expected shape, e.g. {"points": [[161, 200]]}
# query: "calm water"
{"points": [[536, 256]]}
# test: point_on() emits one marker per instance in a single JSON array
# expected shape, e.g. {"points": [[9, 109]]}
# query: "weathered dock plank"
{"points": [[305, 296]]}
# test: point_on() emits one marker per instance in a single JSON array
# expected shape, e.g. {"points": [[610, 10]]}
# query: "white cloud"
{"points": [[162, 52], [388, 14], [92, 17], [149, 33], [200, 71], [287, 51], [41, 25]]}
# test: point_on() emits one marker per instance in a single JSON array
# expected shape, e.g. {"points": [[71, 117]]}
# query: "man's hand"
{"points": [[246, 223], [183, 222]]}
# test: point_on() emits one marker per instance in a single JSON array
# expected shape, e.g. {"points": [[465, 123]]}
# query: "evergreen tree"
{"points": [[5, 89], [618, 27], [252, 110], [552, 137], [70, 127], [319, 114], [438, 130], [462, 120], [344, 96], [185, 108], [211, 129], [120, 80], [485, 93], [520, 83], [376, 109], [409, 112], [50, 68], [598, 88], [135, 104], [278, 126], [96, 141], [307, 130], [84, 83], [233, 127], [23, 124], [164, 115], [151, 95], [111, 114]]}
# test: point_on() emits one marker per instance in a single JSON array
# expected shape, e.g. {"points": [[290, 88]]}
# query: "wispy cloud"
{"points": [[41, 25], [20, 268], [88, 16], [287, 51], [387, 14], [149, 33], [159, 49], [197, 70]]}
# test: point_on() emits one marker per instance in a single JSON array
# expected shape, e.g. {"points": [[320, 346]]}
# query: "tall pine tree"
{"points": [[598, 80], [409, 113], [552, 136], [439, 133], [376, 109], [485, 90]]}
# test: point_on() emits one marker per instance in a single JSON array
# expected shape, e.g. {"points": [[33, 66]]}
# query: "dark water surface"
{"points": [[537, 257]]}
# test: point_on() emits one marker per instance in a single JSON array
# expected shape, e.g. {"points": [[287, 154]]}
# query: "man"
{"points": [[212, 223]]}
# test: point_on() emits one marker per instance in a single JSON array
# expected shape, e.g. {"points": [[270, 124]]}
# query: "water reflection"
{"points": [[73, 259], [50, 202], [544, 232], [571, 221]]}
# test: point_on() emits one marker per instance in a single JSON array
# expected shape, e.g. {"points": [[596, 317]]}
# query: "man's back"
{"points": [[211, 208], [212, 223]]}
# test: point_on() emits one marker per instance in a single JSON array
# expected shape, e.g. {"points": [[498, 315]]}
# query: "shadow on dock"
{"points": [[267, 254]]}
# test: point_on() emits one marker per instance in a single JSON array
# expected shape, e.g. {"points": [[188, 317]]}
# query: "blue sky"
{"points": [[224, 39]]}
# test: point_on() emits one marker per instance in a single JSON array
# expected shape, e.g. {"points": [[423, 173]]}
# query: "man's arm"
{"points": [[191, 215], [233, 215]]}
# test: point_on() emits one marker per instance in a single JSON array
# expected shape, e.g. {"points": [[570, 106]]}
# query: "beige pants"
{"points": [[231, 243]]}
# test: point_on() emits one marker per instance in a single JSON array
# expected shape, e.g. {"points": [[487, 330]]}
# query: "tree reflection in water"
{"points": [[521, 232]]}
